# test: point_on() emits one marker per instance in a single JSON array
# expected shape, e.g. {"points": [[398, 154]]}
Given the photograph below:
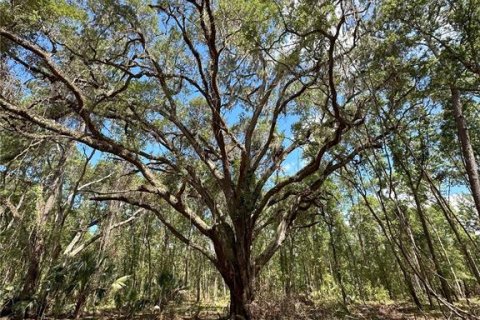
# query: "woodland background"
{"points": [[264, 159]]}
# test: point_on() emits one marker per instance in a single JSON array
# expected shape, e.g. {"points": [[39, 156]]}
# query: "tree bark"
{"points": [[82, 297], [240, 299], [466, 147], [241, 293], [236, 267], [33, 271]]}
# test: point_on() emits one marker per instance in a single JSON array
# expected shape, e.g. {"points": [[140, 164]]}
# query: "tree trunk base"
{"points": [[239, 309]]}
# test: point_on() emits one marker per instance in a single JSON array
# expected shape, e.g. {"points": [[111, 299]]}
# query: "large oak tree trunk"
{"points": [[241, 298], [237, 269]]}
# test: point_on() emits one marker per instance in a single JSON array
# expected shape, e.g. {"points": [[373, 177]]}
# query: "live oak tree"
{"points": [[207, 103]]}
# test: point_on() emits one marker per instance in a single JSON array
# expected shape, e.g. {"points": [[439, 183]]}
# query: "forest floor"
{"points": [[299, 311], [295, 309]]}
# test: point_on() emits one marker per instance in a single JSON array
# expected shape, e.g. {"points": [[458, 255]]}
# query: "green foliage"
{"points": [[120, 284], [167, 93]]}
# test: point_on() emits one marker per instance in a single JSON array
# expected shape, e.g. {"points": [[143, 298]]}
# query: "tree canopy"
{"points": [[326, 147]]}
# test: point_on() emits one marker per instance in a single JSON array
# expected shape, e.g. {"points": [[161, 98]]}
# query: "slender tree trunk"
{"points": [[410, 255], [33, 273], [82, 297], [215, 289], [198, 284], [391, 238], [447, 214], [387, 232], [413, 254], [466, 147], [414, 187], [442, 277], [284, 272], [355, 271], [337, 271], [452, 270], [286, 256]]}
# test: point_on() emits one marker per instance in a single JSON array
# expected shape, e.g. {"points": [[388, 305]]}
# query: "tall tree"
{"points": [[195, 97], [444, 36]]}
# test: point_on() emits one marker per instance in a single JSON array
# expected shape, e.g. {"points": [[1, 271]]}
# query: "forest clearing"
{"points": [[249, 159]]}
